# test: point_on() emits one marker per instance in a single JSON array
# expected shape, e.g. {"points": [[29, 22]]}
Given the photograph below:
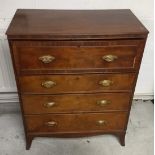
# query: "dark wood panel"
{"points": [[38, 104], [77, 56], [70, 58], [56, 24], [76, 83], [76, 122]]}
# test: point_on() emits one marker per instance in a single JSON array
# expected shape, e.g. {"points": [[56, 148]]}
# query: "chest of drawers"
{"points": [[75, 71]]}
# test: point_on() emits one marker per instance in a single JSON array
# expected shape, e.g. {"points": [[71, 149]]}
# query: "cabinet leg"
{"points": [[122, 138], [28, 142]]}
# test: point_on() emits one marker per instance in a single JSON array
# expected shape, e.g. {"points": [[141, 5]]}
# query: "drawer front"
{"points": [[76, 83], [37, 104], [77, 55], [76, 122]]}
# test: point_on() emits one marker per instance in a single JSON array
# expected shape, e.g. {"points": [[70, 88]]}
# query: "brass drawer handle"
{"points": [[46, 58], [106, 83], [103, 102], [49, 104], [51, 123], [48, 84], [101, 122], [109, 58]]}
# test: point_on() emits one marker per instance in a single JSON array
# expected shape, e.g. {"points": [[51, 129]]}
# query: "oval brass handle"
{"points": [[103, 102], [109, 58], [48, 84], [101, 122], [49, 104], [106, 83], [46, 58], [51, 123]]}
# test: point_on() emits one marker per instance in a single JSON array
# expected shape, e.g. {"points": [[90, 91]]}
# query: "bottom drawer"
{"points": [[86, 122]]}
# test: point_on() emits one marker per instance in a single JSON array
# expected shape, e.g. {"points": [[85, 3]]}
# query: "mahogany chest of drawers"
{"points": [[75, 71]]}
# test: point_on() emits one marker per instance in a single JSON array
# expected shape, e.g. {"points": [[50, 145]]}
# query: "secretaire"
{"points": [[75, 71]]}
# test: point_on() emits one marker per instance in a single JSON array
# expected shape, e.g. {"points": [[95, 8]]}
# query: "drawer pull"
{"points": [[49, 104], [101, 122], [109, 58], [51, 123], [103, 102], [46, 58], [48, 84], [106, 83]]}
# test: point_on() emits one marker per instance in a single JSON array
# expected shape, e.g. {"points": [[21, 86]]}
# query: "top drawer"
{"points": [[66, 56]]}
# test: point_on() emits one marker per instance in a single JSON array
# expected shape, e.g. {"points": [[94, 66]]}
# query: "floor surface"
{"points": [[139, 138]]}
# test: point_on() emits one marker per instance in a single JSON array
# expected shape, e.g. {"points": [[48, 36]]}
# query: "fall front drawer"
{"points": [[76, 83], [35, 55], [76, 122], [36, 104]]}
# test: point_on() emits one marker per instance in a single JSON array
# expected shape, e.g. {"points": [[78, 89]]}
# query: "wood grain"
{"points": [[76, 83], [35, 104], [76, 56], [76, 122], [69, 58], [78, 24]]}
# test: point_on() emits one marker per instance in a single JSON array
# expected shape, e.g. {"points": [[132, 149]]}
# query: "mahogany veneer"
{"points": [[75, 71], [75, 102], [76, 122], [76, 83]]}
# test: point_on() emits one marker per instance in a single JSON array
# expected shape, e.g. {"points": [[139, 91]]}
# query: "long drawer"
{"points": [[39, 104], [76, 55], [76, 122], [76, 83]]}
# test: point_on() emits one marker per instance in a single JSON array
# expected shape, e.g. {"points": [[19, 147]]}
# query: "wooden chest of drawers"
{"points": [[76, 71]]}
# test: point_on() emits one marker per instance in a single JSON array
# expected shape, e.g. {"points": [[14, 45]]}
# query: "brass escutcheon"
{"points": [[103, 102], [46, 58], [48, 84], [106, 83], [109, 58], [51, 123], [49, 104]]}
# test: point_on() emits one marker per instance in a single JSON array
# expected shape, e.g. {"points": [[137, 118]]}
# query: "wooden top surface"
{"points": [[86, 24]]}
